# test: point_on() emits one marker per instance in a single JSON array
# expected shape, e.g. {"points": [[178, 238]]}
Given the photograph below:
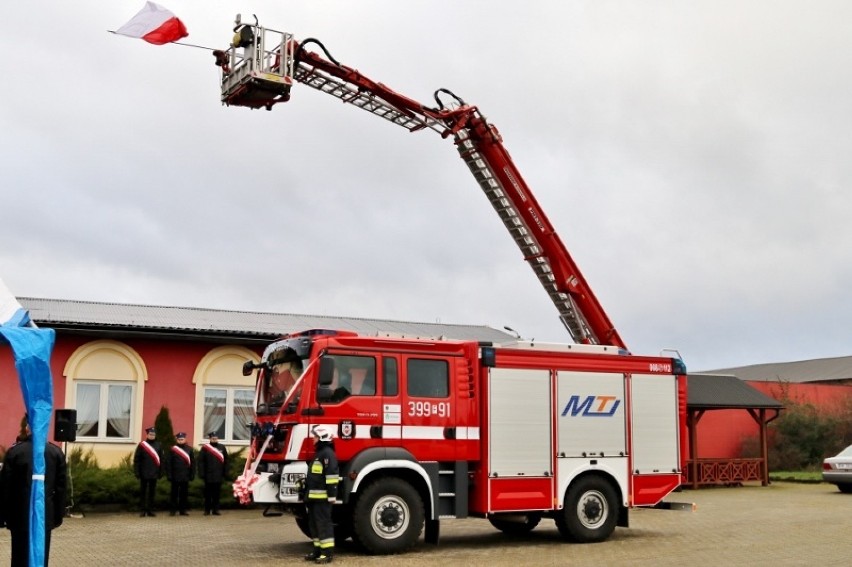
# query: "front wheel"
{"points": [[302, 522], [590, 512], [342, 529], [388, 517]]}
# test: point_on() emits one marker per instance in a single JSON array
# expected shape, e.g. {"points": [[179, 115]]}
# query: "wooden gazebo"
{"points": [[706, 392]]}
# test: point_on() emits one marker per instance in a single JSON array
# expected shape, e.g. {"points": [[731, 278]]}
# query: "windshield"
{"points": [[281, 371], [283, 368], [280, 380]]}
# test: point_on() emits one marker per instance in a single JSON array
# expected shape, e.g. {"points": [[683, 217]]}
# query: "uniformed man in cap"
{"points": [[180, 469], [212, 469], [148, 467]]}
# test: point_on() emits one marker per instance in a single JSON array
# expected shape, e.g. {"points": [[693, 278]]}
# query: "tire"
{"points": [[523, 524], [590, 512], [845, 488], [302, 522], [342, 525], [388, 517], [342, 531]]}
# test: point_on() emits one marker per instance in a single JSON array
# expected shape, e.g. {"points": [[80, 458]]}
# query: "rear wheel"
{"points": [[590, 512], [845, 488], [388, 517], [515, 524]]}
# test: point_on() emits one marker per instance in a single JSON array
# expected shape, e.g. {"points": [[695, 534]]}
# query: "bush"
{"points": [[165, 430], [804, 435]]}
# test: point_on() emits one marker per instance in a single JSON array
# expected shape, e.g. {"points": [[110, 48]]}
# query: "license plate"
{"points": [[844, 465]]}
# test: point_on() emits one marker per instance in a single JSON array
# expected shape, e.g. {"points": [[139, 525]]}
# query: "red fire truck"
{"points": [[429, 429]]}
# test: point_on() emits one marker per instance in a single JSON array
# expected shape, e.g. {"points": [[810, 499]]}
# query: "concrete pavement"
{"points": [[782, 524]]}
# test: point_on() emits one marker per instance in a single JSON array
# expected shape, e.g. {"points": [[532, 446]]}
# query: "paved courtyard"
{"points": [[782, 524]]}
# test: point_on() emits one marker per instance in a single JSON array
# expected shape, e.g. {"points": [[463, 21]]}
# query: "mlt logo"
{"points": [[592, 406]]}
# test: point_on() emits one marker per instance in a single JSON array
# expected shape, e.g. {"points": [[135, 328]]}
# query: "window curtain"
{"points": [[118, 411], [215, 411], [88, 402], [243, 414]]}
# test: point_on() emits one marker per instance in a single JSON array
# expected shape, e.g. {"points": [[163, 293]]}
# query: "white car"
{"points": [[838, 470]]}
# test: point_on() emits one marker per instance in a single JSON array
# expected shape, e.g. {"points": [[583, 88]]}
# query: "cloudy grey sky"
{"points": [[693, 156]]}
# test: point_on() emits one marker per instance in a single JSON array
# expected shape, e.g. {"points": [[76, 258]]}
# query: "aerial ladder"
{"points": [[259, 69]]}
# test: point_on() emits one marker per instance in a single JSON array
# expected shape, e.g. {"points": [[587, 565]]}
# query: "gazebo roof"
{"points": [[721, 391]]}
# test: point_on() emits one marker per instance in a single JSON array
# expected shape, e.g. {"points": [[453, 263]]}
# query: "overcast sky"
{"points": [[693, 156]]}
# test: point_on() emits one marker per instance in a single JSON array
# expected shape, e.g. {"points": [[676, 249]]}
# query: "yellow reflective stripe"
{"points": [[332, 480], [326, 543], [316, 467]]}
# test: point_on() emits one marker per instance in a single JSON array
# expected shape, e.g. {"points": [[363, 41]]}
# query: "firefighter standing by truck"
{"points": [[320, 495]]}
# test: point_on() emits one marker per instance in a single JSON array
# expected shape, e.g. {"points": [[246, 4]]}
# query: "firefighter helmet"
{"points": [[322, 433]]}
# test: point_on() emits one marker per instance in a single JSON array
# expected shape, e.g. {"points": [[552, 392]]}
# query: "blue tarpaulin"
{"points": [[31, 348]]}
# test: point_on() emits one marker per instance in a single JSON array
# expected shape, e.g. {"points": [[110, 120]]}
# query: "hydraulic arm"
{"points": [[258, 71]]}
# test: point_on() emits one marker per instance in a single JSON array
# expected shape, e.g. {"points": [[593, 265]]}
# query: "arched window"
{"points": [[224, 398], [105, 383]]}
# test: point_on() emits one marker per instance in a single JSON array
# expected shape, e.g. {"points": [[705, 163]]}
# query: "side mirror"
{"points": [[326, 371], [248, 366], [324, 394]]}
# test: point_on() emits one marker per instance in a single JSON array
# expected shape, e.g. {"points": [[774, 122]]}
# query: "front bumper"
{"points": [[270, 490]]}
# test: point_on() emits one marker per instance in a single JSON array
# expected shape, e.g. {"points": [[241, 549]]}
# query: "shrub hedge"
{"points": [[92, 488]]}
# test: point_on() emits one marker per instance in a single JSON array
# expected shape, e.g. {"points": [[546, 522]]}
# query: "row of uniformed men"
{"points": [[179, 466]]}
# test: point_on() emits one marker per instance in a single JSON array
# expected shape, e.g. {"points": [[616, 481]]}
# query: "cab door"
{"points": [[352, 403], [426, 408]]}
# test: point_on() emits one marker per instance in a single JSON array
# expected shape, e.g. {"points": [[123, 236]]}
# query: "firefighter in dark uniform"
{"points": [[320, 495], [148, 468], [212, 469], [15, 492], [180, 470]]}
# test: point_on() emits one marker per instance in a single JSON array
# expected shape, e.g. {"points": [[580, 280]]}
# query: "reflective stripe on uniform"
{"points": [[326, 543], [318, 494]]}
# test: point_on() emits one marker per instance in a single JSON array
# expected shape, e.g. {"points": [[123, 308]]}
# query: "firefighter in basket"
{"points": [[320, 495]]}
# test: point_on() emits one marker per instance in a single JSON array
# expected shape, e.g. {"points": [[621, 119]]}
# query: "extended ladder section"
{"points": [[532, 252], [346, 92]]}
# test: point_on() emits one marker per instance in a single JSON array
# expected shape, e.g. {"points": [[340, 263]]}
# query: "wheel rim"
{"points": [[390, 517], [592, 509]]}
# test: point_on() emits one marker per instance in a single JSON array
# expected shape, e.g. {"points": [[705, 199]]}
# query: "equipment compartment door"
{"points": [[655, 424], [591, 414], [520, 450], [656, 462]]}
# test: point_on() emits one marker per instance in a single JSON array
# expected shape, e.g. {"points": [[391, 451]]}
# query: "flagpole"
{"points": [[174, 42]]}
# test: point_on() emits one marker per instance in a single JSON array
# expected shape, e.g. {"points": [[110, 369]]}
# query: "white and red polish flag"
{"points": [[155, 25]]}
